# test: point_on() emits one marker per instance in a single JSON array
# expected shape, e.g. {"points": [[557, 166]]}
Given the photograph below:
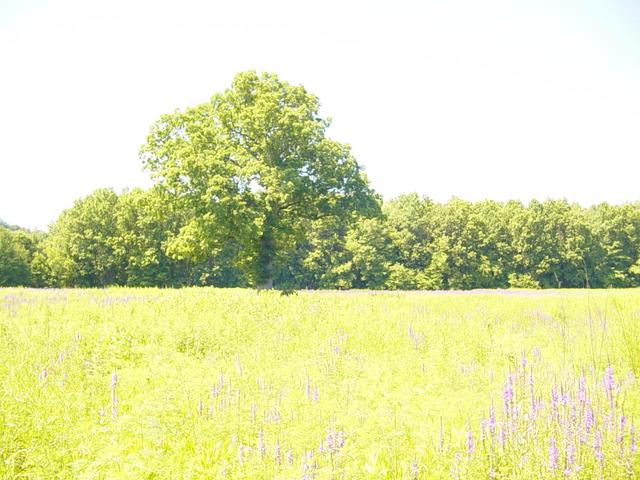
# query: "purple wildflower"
{"points": [[555, 397], [532, 408], [620, 437], [503, 436], [564, 397], [507, 394], [334, 441], [582, 390], [597, 447], [536, 353], [589, 420], [470, 443], [553, 454], [609, 384], [277, 455], [492, 420], [571, 458]]}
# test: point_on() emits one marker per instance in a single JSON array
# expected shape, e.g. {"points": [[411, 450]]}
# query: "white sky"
{"points": [[476, 99]]}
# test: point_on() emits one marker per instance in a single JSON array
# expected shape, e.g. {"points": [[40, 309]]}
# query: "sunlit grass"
{"points": [[238, 384]]}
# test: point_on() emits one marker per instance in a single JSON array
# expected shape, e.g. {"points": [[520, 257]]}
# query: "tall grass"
{"points": [[205, 383]]}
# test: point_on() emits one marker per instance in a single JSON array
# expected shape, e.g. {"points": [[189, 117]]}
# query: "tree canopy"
{"points": [[251, 166], [250, 190]]}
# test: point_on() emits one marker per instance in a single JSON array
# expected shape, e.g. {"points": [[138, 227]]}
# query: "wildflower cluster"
{"points": [[577, 429]]}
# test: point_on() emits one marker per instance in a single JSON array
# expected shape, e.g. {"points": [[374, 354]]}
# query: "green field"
{"points": [[206, 383]]}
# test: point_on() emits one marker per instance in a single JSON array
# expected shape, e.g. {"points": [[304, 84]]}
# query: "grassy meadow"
{"points": [[207, 383]]}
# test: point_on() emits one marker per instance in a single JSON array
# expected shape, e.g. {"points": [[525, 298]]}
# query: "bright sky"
{"points": [[475, 99]]}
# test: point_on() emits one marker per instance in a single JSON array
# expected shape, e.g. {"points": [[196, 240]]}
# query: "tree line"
{"points": [[414, 243], [250, 191]]}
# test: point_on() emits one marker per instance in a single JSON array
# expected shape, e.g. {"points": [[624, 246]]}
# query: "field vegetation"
{"points": [[249, 190], [209, 383]]}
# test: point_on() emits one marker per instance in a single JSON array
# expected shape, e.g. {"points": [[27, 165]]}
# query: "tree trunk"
{"points": [[264, 277], [586, 274], [267, 278]]}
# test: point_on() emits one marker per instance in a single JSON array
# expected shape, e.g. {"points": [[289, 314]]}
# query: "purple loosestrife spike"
{"points": [[554, 399], [620, 437], [536, 353], [609, 384], [597, 447], [483, 430], [564, 397], [503, 436], [582, 390], [307, 389], [492, 420], [277, 455], [290, 456], [633, 441], [314, 395], [507, 395], [571, 458], [334, 441], [589, 419], [553, 454], [532, 407], [573, 413], [470, 443]]}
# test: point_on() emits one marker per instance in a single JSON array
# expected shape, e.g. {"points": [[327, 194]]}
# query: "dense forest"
{"points": [[414, 243]]}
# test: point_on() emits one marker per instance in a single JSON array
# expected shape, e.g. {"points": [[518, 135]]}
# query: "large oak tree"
{"points": [[250, 166]]}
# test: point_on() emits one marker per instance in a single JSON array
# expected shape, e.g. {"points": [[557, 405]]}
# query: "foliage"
{"points": [[80, 250], [251, 165], [14, 260], [131, 239]]}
